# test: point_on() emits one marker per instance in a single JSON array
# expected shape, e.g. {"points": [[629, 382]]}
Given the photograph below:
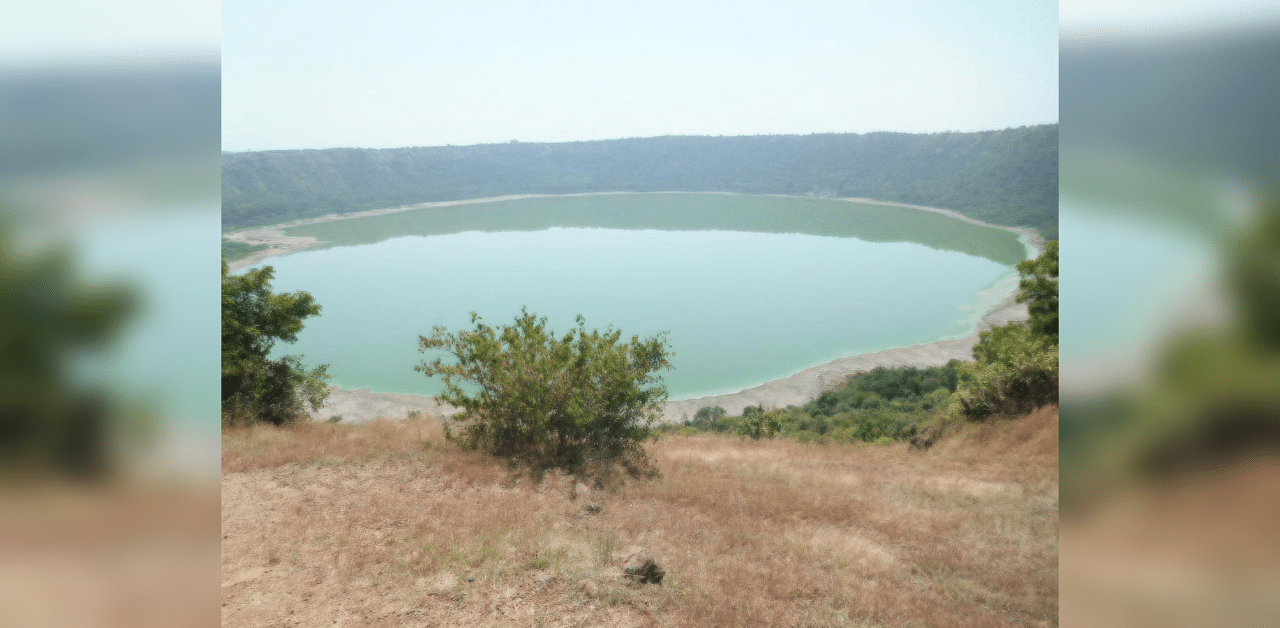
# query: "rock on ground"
{"points": [[638, 566]]}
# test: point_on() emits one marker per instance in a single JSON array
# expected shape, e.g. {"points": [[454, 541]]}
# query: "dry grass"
{"points": [[386, 525], [1197, 550]]}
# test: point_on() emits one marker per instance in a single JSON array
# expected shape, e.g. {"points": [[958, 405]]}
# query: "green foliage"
{"points": [[49, 320], [1038, 288], [1253, 272], [885, 403], [704, 418], [232, 251], [1211, 400], [1009, 176], [726, 425], [915, 387], [582, 402], [1016, 365], [255, 388], [760, 423], [1016, 371]]}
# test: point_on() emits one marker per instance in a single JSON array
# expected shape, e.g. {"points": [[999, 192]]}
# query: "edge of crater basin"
{"points": [[362, 405]]}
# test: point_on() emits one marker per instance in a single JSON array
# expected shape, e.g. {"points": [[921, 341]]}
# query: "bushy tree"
{"points": [[1015, 368], [1038, 288], [706, 417], [582, 402], [51, 319], [760, 423], [255, 388], [1015, 371]]}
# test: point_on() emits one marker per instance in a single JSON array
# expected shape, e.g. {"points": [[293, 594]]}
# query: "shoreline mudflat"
{"points": [[364, 405], [806, 385]]}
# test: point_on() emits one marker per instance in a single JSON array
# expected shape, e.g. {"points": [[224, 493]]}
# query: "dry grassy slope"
{"points": [[385, 525]]}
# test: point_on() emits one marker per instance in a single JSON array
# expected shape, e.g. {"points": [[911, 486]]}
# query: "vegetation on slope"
{"points": [[1015, 371], [53, 418], [255, 388], [1015, 368], [883, 405], [1007, 177]]}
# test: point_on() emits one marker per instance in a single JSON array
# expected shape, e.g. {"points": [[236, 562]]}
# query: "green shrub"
{"points": [[760, 424], [704, 418], [582, 402], [1015, 368], [1016, 371]]}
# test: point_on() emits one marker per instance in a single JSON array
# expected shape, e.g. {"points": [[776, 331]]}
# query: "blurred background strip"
{"points": [[1170, 210], [109, 175]]}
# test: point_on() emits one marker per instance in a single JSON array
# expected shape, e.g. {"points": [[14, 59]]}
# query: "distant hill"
{"points": [[64, 119], [1164, 128], [1007, 177], [1205, 101]]}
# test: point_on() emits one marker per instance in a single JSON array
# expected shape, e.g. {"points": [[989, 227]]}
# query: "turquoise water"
{"points": [[165, 358], [1127, 277], [743, 304]]}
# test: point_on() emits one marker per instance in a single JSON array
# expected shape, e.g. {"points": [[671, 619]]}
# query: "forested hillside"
{"points": [[1008, 177]]}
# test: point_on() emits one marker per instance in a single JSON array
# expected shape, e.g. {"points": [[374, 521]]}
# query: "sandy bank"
{"points": [[804, 386], [1029, 235]]}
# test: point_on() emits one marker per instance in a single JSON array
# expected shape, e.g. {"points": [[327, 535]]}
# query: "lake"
{"points": [[750, 288]]}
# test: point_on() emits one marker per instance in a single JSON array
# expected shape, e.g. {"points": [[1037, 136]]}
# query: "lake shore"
{"points": [[806, 385], [277, 243], [362, 405]]}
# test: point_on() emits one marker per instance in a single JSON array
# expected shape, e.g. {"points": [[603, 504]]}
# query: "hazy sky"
{"points": [[34, 33], [389, 73], [1139, 17]]}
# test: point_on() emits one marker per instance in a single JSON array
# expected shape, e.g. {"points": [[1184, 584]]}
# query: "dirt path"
{"points": [[364, 405]]}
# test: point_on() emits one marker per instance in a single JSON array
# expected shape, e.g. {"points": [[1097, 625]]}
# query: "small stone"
{"points": [[638, 566], [590, 505]]}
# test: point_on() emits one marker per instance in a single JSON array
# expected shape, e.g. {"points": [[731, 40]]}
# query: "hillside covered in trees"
{"points": [[1008, 176]]}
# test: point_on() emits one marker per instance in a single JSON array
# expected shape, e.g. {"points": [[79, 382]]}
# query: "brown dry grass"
{"points": [[1202, 549], [386, 525]]}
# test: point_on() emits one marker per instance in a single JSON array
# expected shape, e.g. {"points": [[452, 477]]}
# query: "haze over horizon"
{"points": [[614, 139], [400, 74]]}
